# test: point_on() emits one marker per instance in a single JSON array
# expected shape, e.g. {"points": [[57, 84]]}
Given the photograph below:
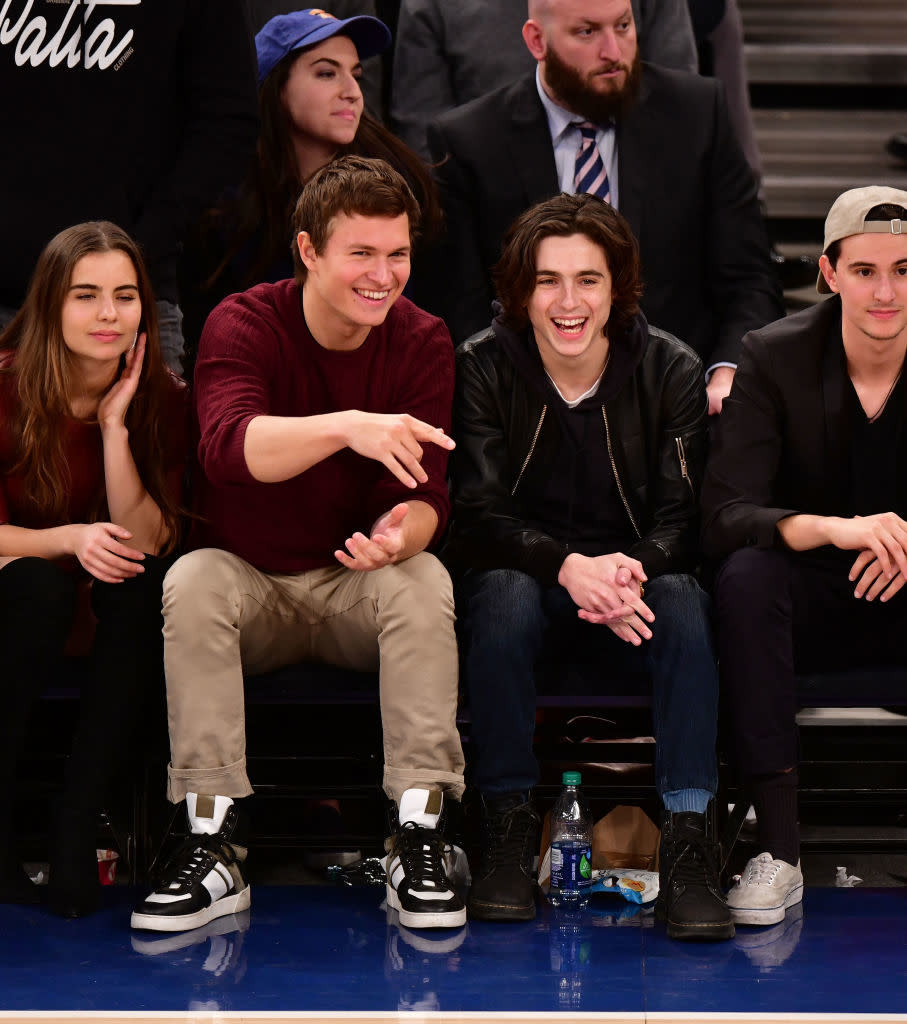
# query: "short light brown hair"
{"points": [[562, 216], [350, 185]]}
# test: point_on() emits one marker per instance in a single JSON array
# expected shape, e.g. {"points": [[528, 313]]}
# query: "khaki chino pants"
{"points": [[223, 617]]}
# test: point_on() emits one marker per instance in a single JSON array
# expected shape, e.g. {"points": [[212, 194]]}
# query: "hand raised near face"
{"points": [[113, 406]]}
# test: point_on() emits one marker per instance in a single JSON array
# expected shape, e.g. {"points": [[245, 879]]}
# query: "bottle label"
{"points": [[571, 867]]}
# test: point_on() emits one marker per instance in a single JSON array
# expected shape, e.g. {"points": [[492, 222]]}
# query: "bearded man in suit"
{"points": [[672, 166]]}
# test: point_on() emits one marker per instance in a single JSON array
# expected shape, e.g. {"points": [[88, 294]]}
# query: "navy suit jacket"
{"points": [[684, 186]]}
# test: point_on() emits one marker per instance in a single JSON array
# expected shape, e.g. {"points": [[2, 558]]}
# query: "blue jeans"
{"points": [[508, 618]]}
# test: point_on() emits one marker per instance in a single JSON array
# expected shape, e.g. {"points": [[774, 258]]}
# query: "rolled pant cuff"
{"points": [[230, 780], [398, 780]]}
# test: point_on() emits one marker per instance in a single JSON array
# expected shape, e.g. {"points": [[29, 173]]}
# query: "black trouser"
{"points": [[780, 613], [126, 685]]}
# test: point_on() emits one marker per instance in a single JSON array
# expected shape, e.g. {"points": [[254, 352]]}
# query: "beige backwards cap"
{"points": [[847, 216]]}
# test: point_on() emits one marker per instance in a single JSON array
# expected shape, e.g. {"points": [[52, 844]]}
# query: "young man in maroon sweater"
{"points": [[323, 404]]}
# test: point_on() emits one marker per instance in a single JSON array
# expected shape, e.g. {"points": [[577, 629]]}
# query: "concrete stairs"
{"points": [[828, 82]]}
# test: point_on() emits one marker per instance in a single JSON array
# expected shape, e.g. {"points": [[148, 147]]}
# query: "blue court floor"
{"points": [[334, 953]]}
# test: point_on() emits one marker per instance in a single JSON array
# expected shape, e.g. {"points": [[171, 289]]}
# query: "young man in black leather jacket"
{"points": [[581, 436]]}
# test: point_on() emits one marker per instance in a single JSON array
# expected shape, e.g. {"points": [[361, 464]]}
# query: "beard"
{"points": [[573, 90]]}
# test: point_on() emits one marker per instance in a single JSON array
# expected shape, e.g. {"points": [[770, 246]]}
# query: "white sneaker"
{"points": [[205, 878], [765, 890], [417, 864]]}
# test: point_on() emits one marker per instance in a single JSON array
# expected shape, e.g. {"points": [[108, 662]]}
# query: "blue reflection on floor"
{"points": [[324, 948]]}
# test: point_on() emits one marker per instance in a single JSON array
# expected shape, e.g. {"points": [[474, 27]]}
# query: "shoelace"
{"points": [[507, 837], [696, 861], [420, 850], [192, 855], [761, 871]]}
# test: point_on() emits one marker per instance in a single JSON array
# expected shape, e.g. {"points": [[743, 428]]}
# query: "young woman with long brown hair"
{"points": [[311, 111], [92, 454]]}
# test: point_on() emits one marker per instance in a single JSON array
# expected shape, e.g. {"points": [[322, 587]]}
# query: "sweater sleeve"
{"points": [[236, 361], [424, 389]]}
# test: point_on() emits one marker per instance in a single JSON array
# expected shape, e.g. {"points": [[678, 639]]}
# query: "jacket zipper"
{"points": [[681, 455], [620, 486], [535, 438]]}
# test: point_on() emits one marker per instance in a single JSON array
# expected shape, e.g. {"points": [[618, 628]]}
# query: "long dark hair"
{"points": [[263, 208], [32, 348]]}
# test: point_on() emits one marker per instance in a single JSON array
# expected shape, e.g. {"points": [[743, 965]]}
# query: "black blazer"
{"points": [[684, 186], [783, 437]]}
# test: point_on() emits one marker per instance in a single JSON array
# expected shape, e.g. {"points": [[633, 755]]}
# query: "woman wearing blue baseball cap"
{"points": [[311, 110]]}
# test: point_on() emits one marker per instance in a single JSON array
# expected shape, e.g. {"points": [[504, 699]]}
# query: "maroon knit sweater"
{"points": [[257, 357]]}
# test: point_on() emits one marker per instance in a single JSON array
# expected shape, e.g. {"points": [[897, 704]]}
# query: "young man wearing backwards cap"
{"points": [[805, 499], [322, 406]]}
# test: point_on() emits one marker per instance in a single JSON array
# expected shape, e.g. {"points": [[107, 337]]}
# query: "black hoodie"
{"points": [[134, 111]]}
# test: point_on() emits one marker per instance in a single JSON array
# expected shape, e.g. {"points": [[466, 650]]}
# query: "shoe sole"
{"points": [[500, 912], [441, 919], [767, 915], [220, 908], [701, 932]]}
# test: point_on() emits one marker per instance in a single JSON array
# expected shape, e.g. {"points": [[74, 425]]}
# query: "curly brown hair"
{"points": [[562, 216], [44, 369]]}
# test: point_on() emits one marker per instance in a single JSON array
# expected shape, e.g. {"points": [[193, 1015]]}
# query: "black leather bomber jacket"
{"points": [[654, 428]]}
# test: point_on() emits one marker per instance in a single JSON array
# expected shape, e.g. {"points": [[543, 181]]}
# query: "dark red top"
{"points": [[257, 357], [84, 454]]}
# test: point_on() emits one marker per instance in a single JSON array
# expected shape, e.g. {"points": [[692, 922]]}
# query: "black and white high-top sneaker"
{"points": [[417, 865], [204, 879]]}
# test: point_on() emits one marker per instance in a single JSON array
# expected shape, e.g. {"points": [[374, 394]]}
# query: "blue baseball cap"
{"points": [[289, 32]]}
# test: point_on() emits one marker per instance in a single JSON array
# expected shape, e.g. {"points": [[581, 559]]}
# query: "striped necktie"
{"points": [[590, 174]]}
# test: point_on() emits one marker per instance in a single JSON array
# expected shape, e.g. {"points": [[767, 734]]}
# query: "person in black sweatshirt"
{"points": [[138, 113]]}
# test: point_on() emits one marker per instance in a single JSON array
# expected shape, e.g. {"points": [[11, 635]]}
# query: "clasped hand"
{"points": [[608, 591], [880, 569]]}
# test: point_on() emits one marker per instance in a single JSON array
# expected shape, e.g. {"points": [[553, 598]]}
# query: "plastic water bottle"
{"points": [[571, 846]]}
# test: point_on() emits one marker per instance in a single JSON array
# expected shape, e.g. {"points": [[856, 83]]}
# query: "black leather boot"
{"points": [[690, 900], [503, 889]]}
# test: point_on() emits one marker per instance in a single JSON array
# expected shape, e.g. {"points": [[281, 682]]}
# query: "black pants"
{"points": [[126, 687], [781, 613]]}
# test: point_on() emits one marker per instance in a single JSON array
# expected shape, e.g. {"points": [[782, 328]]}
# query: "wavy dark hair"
{"points": [[264, 205], [561, 216], [33, 350]]}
